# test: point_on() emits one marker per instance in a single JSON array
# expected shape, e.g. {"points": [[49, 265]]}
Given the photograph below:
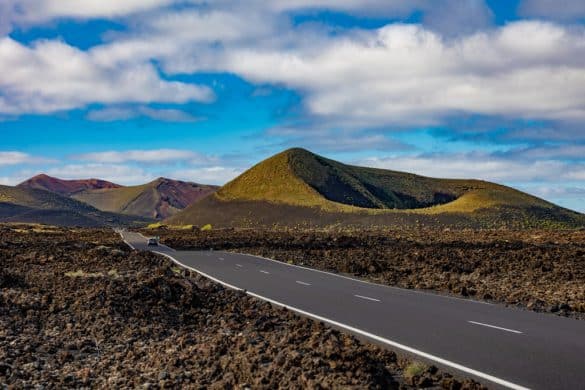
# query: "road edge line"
{"points": [[383, 340]]}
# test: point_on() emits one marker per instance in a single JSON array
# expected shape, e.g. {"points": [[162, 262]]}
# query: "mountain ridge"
{"points": [[31, 205], [65, 187], [158, 199], [326, 191]]}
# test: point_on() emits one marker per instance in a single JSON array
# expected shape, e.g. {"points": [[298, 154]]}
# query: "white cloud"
{"points": [[35, 11], [9, 181], [396, 75], [52, 76], [574, 151], [481, 166], [146, 156], [210, 175], [576, 174], [20, 158], [334, 140], [111, 114], [404, 74], [121, 174]]}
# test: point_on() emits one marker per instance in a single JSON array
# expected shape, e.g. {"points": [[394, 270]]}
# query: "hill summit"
{"points": [[65, 187], [158, 199], [299, 187]]}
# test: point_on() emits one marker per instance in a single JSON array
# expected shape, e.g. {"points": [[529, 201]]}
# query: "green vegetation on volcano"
{"points": [[297, 185], [299, 177]]}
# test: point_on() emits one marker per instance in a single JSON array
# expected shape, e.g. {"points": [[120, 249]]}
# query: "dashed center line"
{"points": [[265, 272], [303, 283], [239, 265], [367, 298], [495, 327]]}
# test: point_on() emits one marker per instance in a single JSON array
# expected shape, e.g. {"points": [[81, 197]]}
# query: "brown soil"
{"points": [[79, 309], [540, 270]]}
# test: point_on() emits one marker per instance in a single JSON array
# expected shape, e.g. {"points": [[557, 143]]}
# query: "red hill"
{"points": [[65, 187]]}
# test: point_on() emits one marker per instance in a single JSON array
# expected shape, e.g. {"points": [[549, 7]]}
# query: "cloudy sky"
{"points": [[199, 90]]}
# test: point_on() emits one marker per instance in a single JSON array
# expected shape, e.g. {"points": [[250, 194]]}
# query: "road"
{"points": [[501, 347]]}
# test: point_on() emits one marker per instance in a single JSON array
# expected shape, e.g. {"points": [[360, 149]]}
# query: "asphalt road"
{"points": [[501, 347]]}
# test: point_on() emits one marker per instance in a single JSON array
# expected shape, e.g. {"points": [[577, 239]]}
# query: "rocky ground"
{"points": [[79, 309], [542, 270]]}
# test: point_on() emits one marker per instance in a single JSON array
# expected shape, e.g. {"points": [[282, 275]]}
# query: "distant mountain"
{"points": [[158, 199], [65, 187], [297, 187], [40, 206]]}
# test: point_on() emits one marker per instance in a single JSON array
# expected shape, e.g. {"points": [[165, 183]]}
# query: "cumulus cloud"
{"points": [[19, 158], [122, 174], [563, 152], [405, 74], [396, 75], [209, 175], [52, 76], [146, 156], [334, 140], [480, 166], [31, 11], [111, 114]]}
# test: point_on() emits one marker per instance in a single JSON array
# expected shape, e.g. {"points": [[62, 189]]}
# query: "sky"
{"points": [[132, 90]]}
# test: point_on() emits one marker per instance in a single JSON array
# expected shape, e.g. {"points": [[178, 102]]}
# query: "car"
{"points": [[152, 241]]}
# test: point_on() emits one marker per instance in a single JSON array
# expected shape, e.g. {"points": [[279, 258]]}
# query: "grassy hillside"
{"points": [[39, 206], [298, 187], [158, 199]]}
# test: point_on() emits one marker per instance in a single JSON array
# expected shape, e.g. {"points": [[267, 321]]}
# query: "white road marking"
{"points": [[386, 341], [495, 327], [365, 281], [265, 272], [239, 265], [368, 298], [123, 239], [303, 283], [221, 258]]}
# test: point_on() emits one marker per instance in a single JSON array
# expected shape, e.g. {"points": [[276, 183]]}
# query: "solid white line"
{"points": [[126, 242], [130, 245], [495, 327], [391, 343], [303, 283], [265, 272], [368, 298]]}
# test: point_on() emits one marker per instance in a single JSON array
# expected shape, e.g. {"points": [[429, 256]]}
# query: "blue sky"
{"points": [[200, 90]]}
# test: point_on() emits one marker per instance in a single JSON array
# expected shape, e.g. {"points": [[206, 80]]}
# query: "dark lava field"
{"points": [[80, 309]]}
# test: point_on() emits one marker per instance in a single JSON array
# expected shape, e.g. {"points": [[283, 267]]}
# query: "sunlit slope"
{"points": [[158, 199], [40, 206], [324, 191]]}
